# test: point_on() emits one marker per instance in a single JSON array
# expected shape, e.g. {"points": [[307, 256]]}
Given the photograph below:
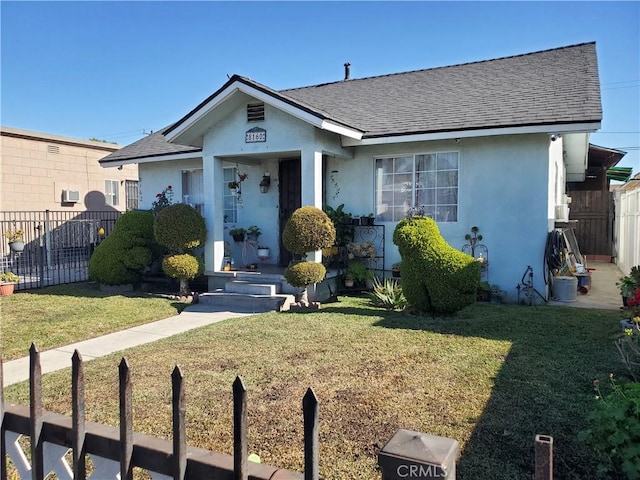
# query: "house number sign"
{"points": [[256, 134]]}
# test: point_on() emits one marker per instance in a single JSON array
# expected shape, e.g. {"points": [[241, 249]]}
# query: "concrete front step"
{"points": [[251, 288], [242, 302]]}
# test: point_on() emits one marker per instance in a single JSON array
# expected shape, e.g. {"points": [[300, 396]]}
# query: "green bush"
{"points": [[184, 267], [614, 435], [309, 229], [122, 257], [436, 277], [301, 274], [180, 228]]}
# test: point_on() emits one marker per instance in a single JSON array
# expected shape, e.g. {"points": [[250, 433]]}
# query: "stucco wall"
{"points": [[155, 177], [503, 190], [34, 172]]}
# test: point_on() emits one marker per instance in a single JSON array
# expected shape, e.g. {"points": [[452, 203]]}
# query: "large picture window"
{"points": [[425, 183]]}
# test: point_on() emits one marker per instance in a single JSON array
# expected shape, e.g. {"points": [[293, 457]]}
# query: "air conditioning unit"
{"points": [[70, 196], [562, 213]]}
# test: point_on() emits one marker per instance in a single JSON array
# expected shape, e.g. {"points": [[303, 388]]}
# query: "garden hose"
{"points": [[553, 253]]}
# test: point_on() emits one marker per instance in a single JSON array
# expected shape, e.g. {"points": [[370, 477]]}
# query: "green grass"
{"points": [[492, 378], [60, 315]]}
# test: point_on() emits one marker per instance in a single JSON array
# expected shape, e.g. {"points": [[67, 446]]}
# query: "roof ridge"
{"points": [[438, 68]]}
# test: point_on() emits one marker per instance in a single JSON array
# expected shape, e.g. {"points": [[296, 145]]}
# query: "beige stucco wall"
{"points": [[35, 168]]}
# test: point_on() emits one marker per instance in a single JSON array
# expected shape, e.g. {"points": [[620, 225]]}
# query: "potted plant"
{"points": [[484, 290], [357, 272], [234, 186], [263, 252], [253, 233], [16, 239], [238, 234], [7, 283], [395, 269], [629, 283], [369, 219]]}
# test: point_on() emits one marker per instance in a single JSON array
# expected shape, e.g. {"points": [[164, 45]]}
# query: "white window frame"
{"points": [[195, 199], [229, 201], [404, 190], [112, 192]]}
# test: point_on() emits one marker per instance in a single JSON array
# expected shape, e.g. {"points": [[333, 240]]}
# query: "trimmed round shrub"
{"points": [[184, 267], [180, 228], [122, 257], [301, 274], [436, 277], [309, 229]]}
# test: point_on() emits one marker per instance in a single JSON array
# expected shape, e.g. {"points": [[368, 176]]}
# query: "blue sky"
{"points": [[114, 70]]}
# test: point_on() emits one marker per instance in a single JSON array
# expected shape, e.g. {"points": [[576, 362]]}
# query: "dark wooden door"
{"points": [[290, 199], [594, 211]]}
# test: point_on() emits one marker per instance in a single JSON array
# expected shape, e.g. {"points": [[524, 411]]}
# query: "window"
{"points": [[111, 192], [230, 200], [131, 194], [193, 189], [426, 182]]}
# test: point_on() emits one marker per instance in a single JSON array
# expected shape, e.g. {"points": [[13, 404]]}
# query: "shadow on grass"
{"points": [[543, 387]]}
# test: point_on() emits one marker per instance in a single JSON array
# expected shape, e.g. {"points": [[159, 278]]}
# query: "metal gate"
{"points": [[58, 245]]}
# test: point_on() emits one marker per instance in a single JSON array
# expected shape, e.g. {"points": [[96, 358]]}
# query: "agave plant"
{"points": [[388, 294]]}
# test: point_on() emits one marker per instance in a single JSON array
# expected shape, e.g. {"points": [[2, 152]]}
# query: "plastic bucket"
{"points": [[565, 288]]}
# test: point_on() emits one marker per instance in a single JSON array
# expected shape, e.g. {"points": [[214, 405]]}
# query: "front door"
{"points": [[290, 199]]}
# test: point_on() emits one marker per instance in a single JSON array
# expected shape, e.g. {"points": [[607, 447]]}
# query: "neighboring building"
{"points": [[490, 144], [40, 171], [592, 205]]}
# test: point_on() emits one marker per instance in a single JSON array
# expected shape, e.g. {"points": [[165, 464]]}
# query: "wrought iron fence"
{"points": [[114, 452], [57, 244]]}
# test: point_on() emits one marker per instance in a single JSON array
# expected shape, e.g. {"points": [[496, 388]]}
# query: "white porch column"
{"points": [[213, 176], [311, 186]]}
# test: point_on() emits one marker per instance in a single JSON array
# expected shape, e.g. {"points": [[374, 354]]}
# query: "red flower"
{"points": [[158, 195], [169, 187]]}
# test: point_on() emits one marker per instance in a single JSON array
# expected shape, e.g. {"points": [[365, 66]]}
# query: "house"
{"points": [[41, 171], [490, 144]]}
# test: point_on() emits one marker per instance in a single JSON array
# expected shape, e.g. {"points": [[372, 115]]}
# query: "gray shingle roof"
{"points": [[150, 146], [551, 87]]}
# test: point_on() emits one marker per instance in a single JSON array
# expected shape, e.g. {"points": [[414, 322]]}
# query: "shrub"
{"points": [[436, 277], [122, 257], [180, 228], [301, 274], [309, 229], [388, 294], [183, 267], [614, 434]]}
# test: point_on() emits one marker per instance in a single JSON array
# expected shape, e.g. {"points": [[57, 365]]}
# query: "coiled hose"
{"points": [[553, 253]]}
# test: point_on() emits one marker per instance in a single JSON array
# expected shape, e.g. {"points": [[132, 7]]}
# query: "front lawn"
{"points": [[65, 314], [491, 378]]}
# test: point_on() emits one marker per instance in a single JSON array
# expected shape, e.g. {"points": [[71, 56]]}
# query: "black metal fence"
{"points": [[57, 244]]}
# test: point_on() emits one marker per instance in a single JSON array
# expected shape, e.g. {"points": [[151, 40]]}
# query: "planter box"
{"points": [[6, 289]]}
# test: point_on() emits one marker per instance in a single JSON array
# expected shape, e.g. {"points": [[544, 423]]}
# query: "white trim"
{"points": [[159, 158], [268, 99], [424, 137]]}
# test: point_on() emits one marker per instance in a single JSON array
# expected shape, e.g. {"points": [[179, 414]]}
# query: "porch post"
{"points": [[311, 186], [214, 212]]}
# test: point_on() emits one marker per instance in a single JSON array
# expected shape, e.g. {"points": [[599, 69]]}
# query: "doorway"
{"points": [[290, 199]]}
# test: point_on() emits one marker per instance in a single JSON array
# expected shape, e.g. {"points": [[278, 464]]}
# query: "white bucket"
{"points": [[565, 289]]}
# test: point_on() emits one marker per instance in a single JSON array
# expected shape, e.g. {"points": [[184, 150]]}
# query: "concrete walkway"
{"points": [[603, 294], [194, 316]]}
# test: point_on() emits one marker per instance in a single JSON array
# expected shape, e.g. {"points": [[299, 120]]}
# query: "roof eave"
{"points": [[150, 159], [589, 127]]}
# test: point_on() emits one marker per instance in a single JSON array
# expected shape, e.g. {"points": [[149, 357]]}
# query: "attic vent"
{"points": [[53, 149], [255, 112]]}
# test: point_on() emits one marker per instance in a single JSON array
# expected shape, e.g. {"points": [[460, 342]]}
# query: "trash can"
{"points": [[564, 289]]}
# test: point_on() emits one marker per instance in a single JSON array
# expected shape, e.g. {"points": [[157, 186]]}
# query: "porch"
{"points": [[262, 289]]}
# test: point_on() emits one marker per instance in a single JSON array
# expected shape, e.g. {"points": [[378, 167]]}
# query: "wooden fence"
{"points": [[116, 451]]}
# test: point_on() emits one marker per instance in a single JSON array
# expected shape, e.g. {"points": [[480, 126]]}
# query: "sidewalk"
{"points": [[603, 294], [194, 316]]}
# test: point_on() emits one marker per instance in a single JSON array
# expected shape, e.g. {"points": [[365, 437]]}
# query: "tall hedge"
{"points": [[180, 227], [122, 257], [436, 277]]}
